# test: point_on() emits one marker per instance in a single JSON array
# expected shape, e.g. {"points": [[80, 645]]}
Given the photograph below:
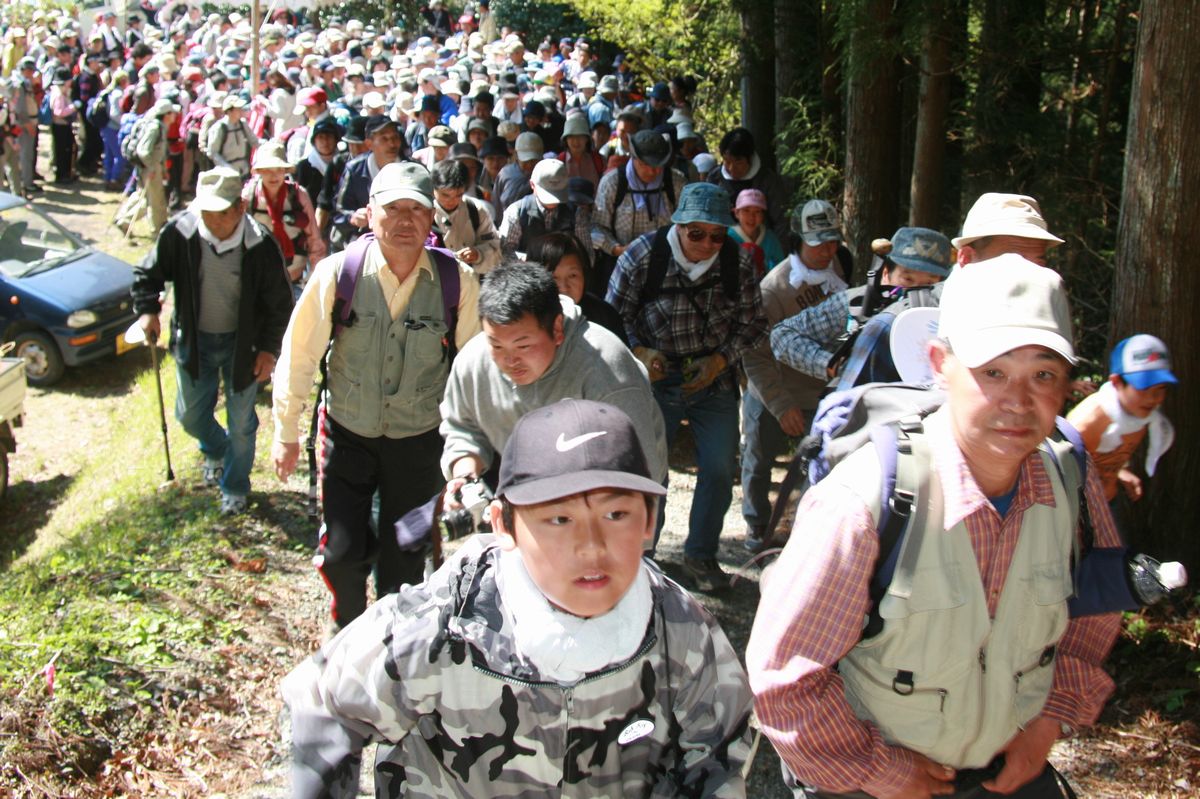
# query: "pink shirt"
{"points": [[808, 619]]}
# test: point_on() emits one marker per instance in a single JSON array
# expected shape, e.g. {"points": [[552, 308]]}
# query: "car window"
{"points": [[30, 242]]}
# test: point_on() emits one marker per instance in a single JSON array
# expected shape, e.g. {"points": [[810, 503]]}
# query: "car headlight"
{"points": [[81, 319]]}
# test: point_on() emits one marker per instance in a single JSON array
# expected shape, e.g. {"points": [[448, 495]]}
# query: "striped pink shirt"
{"points": [[809, 619]]}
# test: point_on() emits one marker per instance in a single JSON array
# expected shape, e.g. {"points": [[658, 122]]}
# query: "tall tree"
{"points": [[929, 156], [871, 196], [1156, 285], [758, 73]]}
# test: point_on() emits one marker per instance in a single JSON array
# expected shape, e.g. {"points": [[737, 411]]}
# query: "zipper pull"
{"points": [[943, 693], [983, 661]]}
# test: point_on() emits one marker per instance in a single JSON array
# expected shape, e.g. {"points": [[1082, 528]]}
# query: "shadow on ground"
{"points": [[26, 509]]}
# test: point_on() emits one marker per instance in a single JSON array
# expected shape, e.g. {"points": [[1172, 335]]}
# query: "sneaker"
{"points": [[756, 537], [212, 471], [706, 574], [232, 505]]}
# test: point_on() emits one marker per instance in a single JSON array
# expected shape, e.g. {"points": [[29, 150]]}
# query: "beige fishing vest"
{"points": [[942, 678]]}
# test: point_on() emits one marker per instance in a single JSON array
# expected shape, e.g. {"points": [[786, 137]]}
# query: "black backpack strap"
{"points": [[656, 273], [618, 198], [472, 212]]}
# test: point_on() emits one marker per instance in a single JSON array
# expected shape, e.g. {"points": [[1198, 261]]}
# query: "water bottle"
{"points": [[1153, 581]]}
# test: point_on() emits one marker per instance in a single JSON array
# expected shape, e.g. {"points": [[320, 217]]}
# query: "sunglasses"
{"points": [[696, 235]]}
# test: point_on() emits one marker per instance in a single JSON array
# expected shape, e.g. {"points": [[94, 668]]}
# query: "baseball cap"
{"points": [[1004, 303], [995, 214], [529, 146], [440, 136], [571, 447], [549, 181], [217, 189], [1142, 361], [581, 191], [817, 223], [406, 180], [703, 202], [312, 95], [650, 148], [356, 131], [921, 249], [751, 198], [376, 123]]}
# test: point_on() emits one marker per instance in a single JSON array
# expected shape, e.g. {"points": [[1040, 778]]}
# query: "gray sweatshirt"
{"points": [[482, 405]]}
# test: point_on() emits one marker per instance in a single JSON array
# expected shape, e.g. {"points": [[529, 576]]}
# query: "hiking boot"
{"points": [[212, 472], [706, 574], [232, 505], [756, 538]]}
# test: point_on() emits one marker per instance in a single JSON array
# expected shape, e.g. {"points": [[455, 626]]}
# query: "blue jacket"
{"points": [[353, 192]]}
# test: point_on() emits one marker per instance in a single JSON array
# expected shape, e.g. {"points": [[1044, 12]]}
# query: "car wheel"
{"points": [[43, 363]]}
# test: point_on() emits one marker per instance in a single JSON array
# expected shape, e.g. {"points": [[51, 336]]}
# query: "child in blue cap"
{"points": [[1116, 419]]}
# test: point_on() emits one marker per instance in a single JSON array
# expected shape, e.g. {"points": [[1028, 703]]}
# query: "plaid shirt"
{"points": [[511, 230], [803, 341], [683, 325], [810, 619]]}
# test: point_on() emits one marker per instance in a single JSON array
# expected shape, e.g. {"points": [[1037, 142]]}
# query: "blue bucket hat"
{"points": [[921, 249], [703, 202]]}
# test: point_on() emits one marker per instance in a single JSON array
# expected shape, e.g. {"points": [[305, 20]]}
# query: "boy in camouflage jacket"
{"points": [[547, 659]]}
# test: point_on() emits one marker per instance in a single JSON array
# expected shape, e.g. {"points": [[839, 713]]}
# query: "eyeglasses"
{"points": [[697, 235]]}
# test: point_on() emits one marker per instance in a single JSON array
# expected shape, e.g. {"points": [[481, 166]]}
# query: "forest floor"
{"points": [[143, 637]]}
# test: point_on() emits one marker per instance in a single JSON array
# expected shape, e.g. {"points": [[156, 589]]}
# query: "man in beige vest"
{"points": [[387, 370], [972, 668]]}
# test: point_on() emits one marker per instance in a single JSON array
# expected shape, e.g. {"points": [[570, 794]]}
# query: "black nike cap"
{"points": [[571, 447]]}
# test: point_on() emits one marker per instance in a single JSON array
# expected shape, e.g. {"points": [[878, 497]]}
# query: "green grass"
{"points": [[127, 590]]}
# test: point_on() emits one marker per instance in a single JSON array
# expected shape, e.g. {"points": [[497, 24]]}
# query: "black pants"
{"points": [[93, 148], [406, 472], [64, 150]]}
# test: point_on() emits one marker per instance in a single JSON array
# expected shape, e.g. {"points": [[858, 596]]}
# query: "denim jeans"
{"points": [[763, 440], [196, 403], [712, 414], [114, 162]]}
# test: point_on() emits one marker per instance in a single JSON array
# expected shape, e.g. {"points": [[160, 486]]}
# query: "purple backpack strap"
{"points": [[448, 275], [352, 264]]}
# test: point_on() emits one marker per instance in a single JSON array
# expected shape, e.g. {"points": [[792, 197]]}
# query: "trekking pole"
{"points": [[136, 335]]}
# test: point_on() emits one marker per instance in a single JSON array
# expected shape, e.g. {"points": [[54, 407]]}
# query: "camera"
{"points": [[475, 496]]}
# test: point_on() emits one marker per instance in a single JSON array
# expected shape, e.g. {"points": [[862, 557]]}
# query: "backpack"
{"points": [[97, 110], [129, 135], [888, 416], [343, 316]]}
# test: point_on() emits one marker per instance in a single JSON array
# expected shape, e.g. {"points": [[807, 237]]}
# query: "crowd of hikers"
{"points": [[516, 269]]}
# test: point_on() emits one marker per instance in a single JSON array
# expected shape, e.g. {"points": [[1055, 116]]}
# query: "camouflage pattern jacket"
{"points": [[433, 672]]}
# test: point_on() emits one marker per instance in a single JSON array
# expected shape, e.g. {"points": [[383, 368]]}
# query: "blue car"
{"points": [[62, 302]]}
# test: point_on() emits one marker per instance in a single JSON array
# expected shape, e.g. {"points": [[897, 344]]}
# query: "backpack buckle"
{"points": [[902, 683]]}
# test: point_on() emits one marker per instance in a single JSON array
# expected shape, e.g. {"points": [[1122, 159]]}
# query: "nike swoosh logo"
{"points": [[568, 444]]}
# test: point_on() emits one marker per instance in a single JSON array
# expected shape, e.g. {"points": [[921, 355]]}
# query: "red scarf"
{"points": [[276, 214]]}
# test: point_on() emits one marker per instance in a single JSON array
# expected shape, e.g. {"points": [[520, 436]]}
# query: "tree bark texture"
{"points": [[1156, 284], [758, 76], [798, 65], [929, 154], [870, 200]]}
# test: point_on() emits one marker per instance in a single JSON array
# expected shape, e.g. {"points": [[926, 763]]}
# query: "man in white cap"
{"points": [[232, 302], [968, 668], [387, 361], [1004, 223], [513, 181], [546, 210]]}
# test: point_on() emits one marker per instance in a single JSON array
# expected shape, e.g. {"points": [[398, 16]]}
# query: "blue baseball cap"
{"points": [[1142, 361]]}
